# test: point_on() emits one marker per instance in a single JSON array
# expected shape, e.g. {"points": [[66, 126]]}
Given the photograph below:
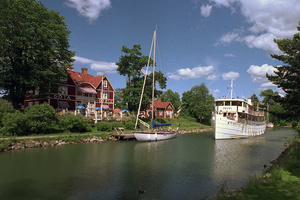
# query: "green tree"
{"points": [[33, 48], [287, 76], [198, 103], [172, 97], [254, 100], [130, 65], [275, 112]]}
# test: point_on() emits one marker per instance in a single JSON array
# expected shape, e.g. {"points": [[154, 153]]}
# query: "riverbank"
{"points": [[17, 143], [280, 181]]}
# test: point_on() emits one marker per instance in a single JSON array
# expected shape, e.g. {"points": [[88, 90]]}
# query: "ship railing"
{"points": [[249, 122]]}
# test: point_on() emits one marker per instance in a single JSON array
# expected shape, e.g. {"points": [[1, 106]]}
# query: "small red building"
{"points": [[79, 89], [161, 110]]}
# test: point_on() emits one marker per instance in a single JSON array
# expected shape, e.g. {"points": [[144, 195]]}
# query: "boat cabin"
{"points": [[238, 109]]}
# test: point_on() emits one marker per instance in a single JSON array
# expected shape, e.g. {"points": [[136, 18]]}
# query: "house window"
{"points": [[104, 95], [30, 104], [37, 90], [161, 113], [63, 90], [105, 83], [36, 103]]}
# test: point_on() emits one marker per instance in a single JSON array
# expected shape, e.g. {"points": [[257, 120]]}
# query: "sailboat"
{"points": [[156, 133]]}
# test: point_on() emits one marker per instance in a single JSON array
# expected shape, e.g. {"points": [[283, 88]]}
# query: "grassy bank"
{"points": [[281, 181], [41, 140]]}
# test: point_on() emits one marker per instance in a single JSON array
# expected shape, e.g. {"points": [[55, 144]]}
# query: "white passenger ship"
{"points": [[237, 118]]}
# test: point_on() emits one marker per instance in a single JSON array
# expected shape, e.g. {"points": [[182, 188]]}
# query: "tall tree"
{"points": [[172, 97], [130, 65], [33, 48], [254, 100], [287, 76], [198, 103]]}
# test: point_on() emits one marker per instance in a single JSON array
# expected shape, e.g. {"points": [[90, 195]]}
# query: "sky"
{"points": [[199, 41]]}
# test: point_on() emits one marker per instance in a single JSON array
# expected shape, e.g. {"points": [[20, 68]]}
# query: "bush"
{"points": [[298, 127], [104, 126], [129, 125], [41, 119], [5, 108], [14, 124], [74, 123]]}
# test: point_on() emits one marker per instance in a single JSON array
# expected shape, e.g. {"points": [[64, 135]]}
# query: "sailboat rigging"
{"points": [[154, 134]]}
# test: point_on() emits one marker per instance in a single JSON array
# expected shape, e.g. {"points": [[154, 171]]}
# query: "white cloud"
{"points": [[101, 67], [187, 73], [258, 73], [230, 75], [267, 85], [268, 19], [206, 10], [216, 92], [229, 37], [264, 41], [212, 77], [229, 55], [90, 9]]}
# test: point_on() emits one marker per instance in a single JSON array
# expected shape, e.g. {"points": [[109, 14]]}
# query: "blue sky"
{"points": [[210, 41]]}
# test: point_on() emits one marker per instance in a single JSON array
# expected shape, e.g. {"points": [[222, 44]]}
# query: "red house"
{"points": [[161, 110], [80, 89]]}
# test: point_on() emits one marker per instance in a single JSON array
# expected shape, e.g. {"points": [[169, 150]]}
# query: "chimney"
{"points": [[84, 71], [249, 102]]}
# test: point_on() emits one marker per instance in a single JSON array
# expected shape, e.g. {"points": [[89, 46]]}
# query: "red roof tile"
{"points": [[159, 104], [81, 78]]}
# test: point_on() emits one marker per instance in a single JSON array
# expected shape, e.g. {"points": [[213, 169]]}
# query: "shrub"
{"points": [[129, 125], [41, 119], [5, 108], [74, 123], [14, 124], [104, 126]]}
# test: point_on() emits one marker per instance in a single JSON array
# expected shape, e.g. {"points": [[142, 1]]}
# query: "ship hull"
{"points": [[225, 128]]}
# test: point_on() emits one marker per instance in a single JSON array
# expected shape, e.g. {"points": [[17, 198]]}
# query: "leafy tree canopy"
{"points": [[130, 65], [287, 76], [198, 103], [33, 48], [172, 97]]}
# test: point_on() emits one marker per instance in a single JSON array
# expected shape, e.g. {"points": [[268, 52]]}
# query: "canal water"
{"points": [[190, 166]]}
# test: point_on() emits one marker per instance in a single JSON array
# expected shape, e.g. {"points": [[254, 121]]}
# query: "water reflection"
{"points": [[188, 166]]}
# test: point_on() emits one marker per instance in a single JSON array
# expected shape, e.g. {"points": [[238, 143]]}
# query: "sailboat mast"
{"points": [[153, 81], [231, 88]]}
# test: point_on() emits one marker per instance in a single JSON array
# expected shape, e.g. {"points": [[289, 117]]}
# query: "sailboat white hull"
{"points": [[154, 136]]}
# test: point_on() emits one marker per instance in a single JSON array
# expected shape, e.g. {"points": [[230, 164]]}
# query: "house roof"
{"points": [[79, 78], [160, 104]]}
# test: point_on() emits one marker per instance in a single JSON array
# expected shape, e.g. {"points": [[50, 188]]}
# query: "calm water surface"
{"points": [[188, 167]]}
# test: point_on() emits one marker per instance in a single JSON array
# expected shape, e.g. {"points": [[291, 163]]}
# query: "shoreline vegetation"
{"points": [[186, 125]]}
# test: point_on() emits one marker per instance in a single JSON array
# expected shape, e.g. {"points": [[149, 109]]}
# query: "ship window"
{"points": [[240, 103], [219, 103], [227, 103], [234, 103]]}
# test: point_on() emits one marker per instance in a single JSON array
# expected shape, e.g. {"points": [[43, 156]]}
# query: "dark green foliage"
{"points": [[129, 125], [130, 65], [33, 48], [74, 123], [198, 103], [41, 119], [14, 123], [104, 126], [5, 108], [173, 97], [287, 76]]}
